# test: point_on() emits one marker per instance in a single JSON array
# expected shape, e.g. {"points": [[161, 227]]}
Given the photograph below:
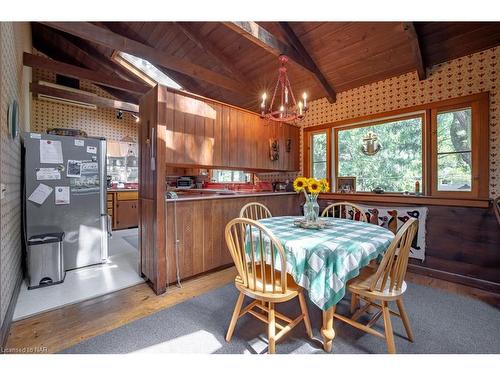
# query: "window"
{"points": [[442, 145], [222, 175], [454, 150], [319, 155], [394, 164], [145, 70]]}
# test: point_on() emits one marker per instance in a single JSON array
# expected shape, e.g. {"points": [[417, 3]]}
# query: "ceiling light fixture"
{"points": [[289, 110]]}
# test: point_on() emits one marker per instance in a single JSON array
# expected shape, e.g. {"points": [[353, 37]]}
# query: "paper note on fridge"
{"points": [[40, 194], [62, 194], [51, 152], [92, 149], [48, 174]]}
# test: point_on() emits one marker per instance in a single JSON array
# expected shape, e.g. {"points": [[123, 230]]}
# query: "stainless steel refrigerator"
{"points": [[65, 191]]}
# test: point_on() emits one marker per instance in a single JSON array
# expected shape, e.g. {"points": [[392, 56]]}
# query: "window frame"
{"points": [[211, 176], [479, 103], [474, 151], [309, 158]]}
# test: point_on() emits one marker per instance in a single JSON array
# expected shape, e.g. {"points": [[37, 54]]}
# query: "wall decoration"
{"points": [[346, 184], [471, 74], [274, 149], [393, 218], [371, 144]]}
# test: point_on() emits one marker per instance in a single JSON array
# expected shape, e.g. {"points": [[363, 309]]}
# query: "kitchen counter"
{"points": [[218, 194], [116, 190]]}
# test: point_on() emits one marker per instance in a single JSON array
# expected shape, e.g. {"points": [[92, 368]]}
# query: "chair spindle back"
{"points": [[255, 211], [256, 252], [345, 210], [392, 269]]}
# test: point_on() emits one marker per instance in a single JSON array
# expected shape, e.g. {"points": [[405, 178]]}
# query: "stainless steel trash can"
{"points": [[45, 260]]}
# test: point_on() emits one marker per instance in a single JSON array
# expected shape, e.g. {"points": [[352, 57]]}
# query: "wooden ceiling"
{"points": [[236, 62]]}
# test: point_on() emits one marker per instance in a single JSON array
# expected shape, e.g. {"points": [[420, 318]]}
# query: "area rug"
{"points": [[442, 323]]}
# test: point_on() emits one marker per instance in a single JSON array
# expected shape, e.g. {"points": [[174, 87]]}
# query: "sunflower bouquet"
{"points": [[311, 188]]}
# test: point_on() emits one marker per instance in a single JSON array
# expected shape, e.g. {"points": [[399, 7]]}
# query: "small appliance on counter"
{"points": [[279, 186], [185, 182]]}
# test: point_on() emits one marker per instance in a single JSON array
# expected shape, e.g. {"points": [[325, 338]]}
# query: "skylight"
{"points": [[150, 70]]}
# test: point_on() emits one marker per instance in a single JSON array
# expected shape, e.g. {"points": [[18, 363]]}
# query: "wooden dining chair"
{"points": [[259, 256], [255, 211], [385, 284], [345, 210]]}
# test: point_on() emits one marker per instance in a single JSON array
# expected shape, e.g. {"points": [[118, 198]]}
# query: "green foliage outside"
{"points": [[395, 168], [454, 150]]}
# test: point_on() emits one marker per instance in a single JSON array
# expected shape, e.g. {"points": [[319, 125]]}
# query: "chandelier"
{"points": [[288, 110]]}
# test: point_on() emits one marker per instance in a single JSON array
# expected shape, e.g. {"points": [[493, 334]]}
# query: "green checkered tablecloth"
{"points": [[322, 261]]}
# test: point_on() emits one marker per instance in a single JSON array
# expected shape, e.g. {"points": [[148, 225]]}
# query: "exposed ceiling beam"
{"points": [[80, 96], [411, 33], [264, 39], [297, 44], [82, 73], [210, 49], [56, 45], [105, 37]]}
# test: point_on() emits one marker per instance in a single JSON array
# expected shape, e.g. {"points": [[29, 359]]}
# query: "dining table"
{"points": [[322, 261]]}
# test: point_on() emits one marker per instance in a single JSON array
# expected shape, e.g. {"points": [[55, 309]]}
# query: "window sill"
{"points": [[405, 199]]}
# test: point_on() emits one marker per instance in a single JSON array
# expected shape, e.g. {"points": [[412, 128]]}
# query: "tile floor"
{"points": [[121, 271]]}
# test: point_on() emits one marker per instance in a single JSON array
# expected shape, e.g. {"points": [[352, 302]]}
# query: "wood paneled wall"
{"points": [[462, 245], [199, 225], [205, 133], [152, 175], [181, 130]]}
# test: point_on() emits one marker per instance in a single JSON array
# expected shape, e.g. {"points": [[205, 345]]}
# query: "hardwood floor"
{"points": [[59, 329]]}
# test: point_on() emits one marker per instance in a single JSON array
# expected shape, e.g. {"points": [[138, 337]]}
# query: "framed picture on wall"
{"points": [[346, 184]]}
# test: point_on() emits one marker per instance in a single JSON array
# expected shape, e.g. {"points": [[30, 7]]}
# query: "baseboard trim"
{"points": [[4, 330], [455, 278]]}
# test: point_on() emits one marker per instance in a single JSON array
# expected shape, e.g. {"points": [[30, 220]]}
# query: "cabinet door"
{"points": [[126, 214]]}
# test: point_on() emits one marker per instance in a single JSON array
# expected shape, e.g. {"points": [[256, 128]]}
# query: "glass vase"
{"points": [[311, 208]]}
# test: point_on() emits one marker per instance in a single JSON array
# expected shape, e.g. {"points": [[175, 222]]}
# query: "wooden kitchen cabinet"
{"points": [[123, 209], [204, 133], [127, 214], [195, 231]]}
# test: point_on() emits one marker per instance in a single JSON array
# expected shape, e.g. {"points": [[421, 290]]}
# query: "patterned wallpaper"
{"points": [[14, 39], [98, 123], [463, 76]]}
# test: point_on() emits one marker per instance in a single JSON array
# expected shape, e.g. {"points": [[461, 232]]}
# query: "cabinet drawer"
{"points": [[127, 195], [110, 212], [110, 204], [109, 197]]}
